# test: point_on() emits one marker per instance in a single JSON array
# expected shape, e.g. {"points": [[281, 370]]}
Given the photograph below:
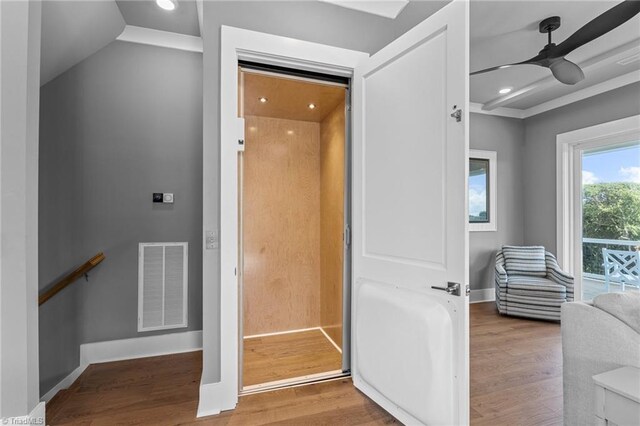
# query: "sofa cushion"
{"points": [[529, 261], [535, 287], [624, 306]]}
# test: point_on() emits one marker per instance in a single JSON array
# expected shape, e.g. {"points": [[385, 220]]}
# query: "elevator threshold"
{"points": [[294, 358]]}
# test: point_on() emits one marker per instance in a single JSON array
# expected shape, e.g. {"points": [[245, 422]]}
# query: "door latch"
{"points": [[451, 288], [457, 113]]}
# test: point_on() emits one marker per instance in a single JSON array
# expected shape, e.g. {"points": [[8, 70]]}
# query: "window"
{"points": [[482, 190]]}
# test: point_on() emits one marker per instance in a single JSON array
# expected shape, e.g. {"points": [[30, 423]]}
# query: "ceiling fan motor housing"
{"points": [[549, 24]]}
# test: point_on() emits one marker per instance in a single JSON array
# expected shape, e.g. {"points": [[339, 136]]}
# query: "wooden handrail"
{"points": [[60, 285]]}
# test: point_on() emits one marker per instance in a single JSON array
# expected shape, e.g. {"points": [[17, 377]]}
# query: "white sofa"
{"points": [[596, 337]]}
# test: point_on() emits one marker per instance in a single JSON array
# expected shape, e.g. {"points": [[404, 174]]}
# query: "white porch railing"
{"points": [[605, 242]]}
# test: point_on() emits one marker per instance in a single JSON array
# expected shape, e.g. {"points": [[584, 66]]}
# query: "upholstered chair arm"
{"points": [[501, 280], [558, 276]]}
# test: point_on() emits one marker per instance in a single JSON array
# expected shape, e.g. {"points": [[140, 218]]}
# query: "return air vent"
{"points": [[162, 286]]}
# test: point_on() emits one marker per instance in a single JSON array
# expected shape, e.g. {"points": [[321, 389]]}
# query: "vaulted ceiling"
{"points": [[501, 32], [74, 30]]}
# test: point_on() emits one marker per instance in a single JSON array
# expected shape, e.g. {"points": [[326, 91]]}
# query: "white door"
{"points": [[410, 341]]}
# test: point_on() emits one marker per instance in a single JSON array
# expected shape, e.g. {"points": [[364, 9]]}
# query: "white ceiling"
{"points": [[145, 13], [504, 32], [73, 31]]}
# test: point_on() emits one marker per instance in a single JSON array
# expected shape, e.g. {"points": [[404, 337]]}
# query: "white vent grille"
{"points": [[162, 286]]}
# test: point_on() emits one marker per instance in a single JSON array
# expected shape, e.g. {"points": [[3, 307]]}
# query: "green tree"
{"points": [[610, 211]]}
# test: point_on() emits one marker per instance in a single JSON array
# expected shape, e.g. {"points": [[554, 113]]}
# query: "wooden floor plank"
{"points": [[516, 379], [286, 356]]}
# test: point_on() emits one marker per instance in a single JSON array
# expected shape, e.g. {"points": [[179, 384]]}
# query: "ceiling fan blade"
{"points": [[566, 71], [533, 61], [598, 26]]}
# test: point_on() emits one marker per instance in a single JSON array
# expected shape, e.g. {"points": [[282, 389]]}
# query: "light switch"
{"points": [[167, 198], [211, 240]]}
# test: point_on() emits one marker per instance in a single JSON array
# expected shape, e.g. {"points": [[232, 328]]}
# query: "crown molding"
{"points": [[387, 9], [587, 92], [148, 36], [476, 108]]}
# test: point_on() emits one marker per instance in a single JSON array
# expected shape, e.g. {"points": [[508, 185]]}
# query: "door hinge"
{"points": [[457, 113], [347, 236]]}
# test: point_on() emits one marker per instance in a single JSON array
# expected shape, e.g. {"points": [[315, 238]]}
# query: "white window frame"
{"points": [[185, 285], [492, 203], [569, 149]]}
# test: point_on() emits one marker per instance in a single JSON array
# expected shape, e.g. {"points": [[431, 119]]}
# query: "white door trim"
{"points": [[569, 148], [238, 44]]}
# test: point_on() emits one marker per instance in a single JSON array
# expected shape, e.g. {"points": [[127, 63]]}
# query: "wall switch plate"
{"points": [[163, 197], [211, 240]]}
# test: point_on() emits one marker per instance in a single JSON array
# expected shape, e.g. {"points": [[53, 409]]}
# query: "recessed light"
{"points": [[312, 106], [263, 100], [289, 132], [252, 128], [505, 90], [167, 4]]}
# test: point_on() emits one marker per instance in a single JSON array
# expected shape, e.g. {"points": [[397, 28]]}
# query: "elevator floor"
{"points": [[288, 356]]}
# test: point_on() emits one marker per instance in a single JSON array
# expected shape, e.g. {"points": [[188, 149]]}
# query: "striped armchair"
{"points": [[530, 283]]}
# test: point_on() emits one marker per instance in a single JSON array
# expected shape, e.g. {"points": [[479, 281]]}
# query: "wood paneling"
{"points": [[285, 356], [332, 146], [515, 380], [281, 222], [289, 99]]}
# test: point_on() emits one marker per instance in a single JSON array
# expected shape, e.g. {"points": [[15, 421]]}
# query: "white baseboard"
{"points": [[214, 398], [36, 417], [482, 295], [140, 347], [137, 347], [64, 383]]}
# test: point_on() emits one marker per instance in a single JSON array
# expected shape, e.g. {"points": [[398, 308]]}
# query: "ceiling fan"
{"points": [[552, 55]]}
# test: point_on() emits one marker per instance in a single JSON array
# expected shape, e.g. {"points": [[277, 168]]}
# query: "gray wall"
{"points": [[540, 154], [122, 124], [506, 137], [312, 21]]}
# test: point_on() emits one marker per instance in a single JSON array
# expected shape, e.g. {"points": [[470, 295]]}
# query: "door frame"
{"points": [[239, 44], [569, 149]]}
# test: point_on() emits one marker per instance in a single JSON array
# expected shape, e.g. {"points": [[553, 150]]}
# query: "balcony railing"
{"points": [[592, 261]]}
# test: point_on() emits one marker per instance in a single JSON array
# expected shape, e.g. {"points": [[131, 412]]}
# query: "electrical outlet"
{"points": [[211, 240]]}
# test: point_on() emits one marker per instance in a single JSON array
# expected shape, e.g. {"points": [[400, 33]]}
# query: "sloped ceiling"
{"points": [[145, 13], [73, 31]]}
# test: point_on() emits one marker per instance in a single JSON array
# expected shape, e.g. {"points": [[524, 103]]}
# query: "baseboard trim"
{"points": [[279, 333], [64, 383], [140, 347], [214, 399], [482, 295], [123, 349], [37, 416], [330, 340]]}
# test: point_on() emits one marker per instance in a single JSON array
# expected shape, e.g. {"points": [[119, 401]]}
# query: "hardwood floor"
{"points": [[516, 369], [516, 379], [285, 356]]}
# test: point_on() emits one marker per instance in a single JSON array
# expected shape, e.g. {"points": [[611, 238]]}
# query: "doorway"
{"points": [[294, 225]]}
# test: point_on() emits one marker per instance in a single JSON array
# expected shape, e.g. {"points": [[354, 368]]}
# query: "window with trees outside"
{"points": [[610, 218]]}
